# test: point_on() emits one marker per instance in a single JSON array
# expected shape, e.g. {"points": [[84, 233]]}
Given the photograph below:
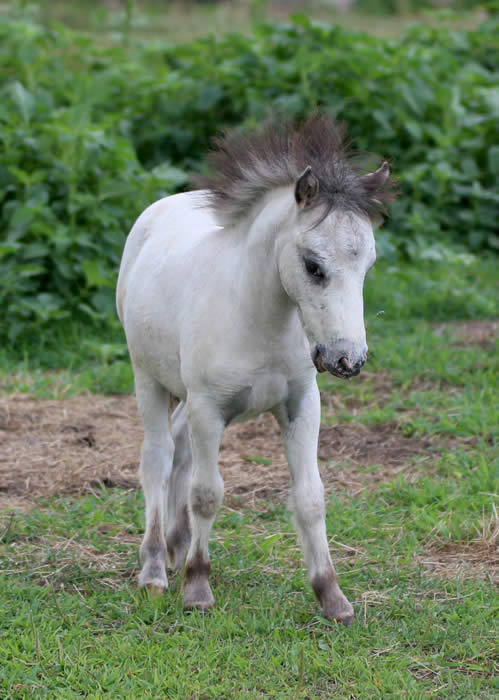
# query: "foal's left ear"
{"points": [[306, 188]]}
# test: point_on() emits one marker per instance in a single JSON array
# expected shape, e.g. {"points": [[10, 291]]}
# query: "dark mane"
{"points": [[247, 166]]}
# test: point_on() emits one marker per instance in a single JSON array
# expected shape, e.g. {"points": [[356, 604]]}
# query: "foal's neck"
{"points": [[260, 238]]}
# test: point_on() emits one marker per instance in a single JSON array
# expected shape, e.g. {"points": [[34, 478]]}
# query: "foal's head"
{"points": [[327, 226], [323, 265]]}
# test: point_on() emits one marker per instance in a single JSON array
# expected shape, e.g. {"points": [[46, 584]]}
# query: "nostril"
{"points": [[345, 363]]}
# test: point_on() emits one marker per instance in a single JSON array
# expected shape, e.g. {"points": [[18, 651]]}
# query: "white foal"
{"points": [[232, 298]]}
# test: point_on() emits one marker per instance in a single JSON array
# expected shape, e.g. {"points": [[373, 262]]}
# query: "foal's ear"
{"points": [[306, 188], [379, 190], [376, 180]]}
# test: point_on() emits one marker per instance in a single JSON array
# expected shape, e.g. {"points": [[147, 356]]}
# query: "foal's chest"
{"points": [[262, 392]]}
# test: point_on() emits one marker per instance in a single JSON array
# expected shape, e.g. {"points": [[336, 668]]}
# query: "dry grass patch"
{"points": [[478, 557], [453, 560], [74, 445], [52, 560], [355, 456], [67, 446]]}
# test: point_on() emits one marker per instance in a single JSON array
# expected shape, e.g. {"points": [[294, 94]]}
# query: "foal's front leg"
{"points": [[207, 489], [300, 422]]}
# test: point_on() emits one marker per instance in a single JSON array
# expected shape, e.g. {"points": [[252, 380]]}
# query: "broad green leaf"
{"points": [[94, 274], [23, 99]]}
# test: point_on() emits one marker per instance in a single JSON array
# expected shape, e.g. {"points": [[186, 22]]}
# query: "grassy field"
{"points": [[413, 533]]}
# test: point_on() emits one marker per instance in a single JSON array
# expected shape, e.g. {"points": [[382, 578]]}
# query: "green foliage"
{"points": [[90, 136], [400, 6]]}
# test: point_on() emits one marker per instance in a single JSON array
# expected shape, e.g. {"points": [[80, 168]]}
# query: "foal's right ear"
{"points": [[306, 188]]}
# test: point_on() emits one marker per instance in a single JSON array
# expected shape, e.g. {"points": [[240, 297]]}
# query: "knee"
{"points": [[308, 504], [206, 499]]}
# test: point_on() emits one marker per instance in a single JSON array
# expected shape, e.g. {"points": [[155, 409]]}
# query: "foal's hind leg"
{"points": [[300, 422], [178, 530], [155, 467]]}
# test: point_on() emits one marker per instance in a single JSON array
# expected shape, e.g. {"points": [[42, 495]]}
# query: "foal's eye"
{"points": [[314, 269]]}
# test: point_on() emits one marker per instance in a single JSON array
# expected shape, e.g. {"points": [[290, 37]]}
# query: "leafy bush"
{"points": [[91, 135], [401, 6]]}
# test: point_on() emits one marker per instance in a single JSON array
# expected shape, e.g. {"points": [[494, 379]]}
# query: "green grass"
{"points": [[437, 385], [73, 624]]}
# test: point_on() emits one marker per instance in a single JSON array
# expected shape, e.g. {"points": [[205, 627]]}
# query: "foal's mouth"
{"points": [[341, 368], [344, 375]]}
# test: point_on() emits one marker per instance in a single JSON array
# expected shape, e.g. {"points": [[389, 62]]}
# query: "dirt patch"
{"points": [[75, 445], [483, 333], [67, 446], [353, 457]]}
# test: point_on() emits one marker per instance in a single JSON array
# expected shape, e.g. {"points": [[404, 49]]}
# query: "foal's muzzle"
{"points": [[341, 363]]}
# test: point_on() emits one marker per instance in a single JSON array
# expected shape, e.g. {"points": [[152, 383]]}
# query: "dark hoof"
{"points": [[339, 609], [198, 595], [334, 604], [347, 621]]}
